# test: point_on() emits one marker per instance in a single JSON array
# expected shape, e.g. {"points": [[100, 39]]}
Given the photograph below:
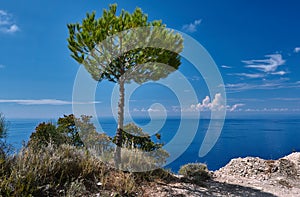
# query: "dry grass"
{"points": [[54, 171], [67, 171]]}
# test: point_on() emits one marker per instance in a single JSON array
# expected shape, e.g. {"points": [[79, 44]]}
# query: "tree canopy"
{"points": [[112, 45]]}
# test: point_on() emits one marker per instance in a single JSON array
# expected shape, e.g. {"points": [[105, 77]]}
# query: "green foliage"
{"points": [[44, 134], [99, 142], [4, 147], [134, 137], [3, 126], [65, 133], [67, 126], [195, 171], [79, 132], [115, 56], [140, 152]]}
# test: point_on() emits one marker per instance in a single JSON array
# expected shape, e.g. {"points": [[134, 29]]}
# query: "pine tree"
{"points": [[113, 48]]}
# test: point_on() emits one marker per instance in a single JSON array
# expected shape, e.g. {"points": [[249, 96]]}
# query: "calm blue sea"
{"points": [[265, 138]]}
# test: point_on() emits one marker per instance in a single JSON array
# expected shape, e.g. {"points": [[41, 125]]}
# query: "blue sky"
{"points": [[255, 44]]}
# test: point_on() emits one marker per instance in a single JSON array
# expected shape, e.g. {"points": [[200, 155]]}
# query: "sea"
{"points": [[267, 138]]}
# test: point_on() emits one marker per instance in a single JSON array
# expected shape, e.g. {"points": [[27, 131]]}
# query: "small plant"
{"points": [[195, 171], [77, 188]]}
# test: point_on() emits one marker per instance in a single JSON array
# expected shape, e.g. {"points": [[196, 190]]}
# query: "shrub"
{"points": [[74, 131], [3, 126], [100, 143], [4, 147], [134, 137], [140, 152], [65, 132], [2, 134], [44, 134], [68, 128], [195, 171]]}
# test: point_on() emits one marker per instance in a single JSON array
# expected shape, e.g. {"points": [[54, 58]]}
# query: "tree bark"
{"points": [[120, 123]]}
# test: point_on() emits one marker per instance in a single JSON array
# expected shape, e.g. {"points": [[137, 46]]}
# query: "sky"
{"points": [[254, 44]]}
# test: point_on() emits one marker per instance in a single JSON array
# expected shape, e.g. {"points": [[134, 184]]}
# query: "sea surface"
{"points": [[265, 138]]}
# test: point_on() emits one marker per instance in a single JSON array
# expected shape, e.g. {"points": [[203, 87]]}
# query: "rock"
{"points": [[250, 176], [280, 177]]}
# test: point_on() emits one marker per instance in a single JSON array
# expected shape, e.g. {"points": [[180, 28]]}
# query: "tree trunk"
{"points": [[120, 123]]}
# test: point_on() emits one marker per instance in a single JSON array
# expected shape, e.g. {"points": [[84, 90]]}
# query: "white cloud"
{"points": [[249, 75], [286, 99], [156, 109], [143, 110], [245, 100], [136, 110], [224, 66], [150, 109], [44, 102], [268, 65], [279, 73], [192, 27], [297, 50], [282, 83], [176, 108], [235, 106], [262, 68], [2, 66], [11, 29], [7, 25], [267, 110], [217, 104], [153, 110]]}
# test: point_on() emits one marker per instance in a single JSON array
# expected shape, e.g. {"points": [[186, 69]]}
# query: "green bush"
{"points": [[195, 171], [2, 132], [100, 143], [139, 151], [67, 127], [133, 137], [4, 147], [79, 132], [44, 134], [65, 132], [3, 126]]}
